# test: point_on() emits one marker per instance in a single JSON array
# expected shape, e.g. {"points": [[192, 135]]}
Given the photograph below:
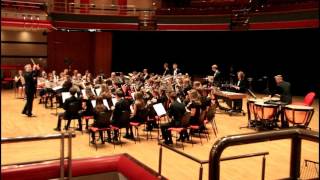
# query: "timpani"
{"points": [[265, 113], [298, 115]]}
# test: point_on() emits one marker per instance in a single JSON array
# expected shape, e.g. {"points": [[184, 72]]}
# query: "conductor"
{"points": [[30, 76]]}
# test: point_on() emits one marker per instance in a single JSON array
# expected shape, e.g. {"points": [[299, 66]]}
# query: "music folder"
{"points": [[114, 101], [105, 103], [83, 91], [57, 88], [159, 109], [94, 103], [98, 91], [66, 95]]}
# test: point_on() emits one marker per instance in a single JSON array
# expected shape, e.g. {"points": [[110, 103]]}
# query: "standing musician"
{"points": [[283, 89], [240, 87], [30, 77], [20, 82], [166, 69], [175, 70], [216, 75]]}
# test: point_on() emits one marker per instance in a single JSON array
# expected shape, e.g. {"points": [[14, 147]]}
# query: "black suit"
{"points": [[166, 72], [69, 113], [283, 89], [30, 90], [178, 71], [120, 107], [176, 111], [217, 78], [242, 84]]}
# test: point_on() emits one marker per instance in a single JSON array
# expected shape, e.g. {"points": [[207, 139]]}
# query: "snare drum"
{"points": [[298, 114], [265, 111]]}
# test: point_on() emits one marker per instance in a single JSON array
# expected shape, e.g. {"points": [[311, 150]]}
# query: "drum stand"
{"points": [[251, 123]]}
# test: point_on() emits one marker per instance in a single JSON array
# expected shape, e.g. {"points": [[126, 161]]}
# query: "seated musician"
{"points": [[74, 74], [87, 108], [67, 84], [240, 87], [47, 92], [89, 80], [100, 120], [151, 123], [176, 111], [138, 112], [67, 114], [194, 106], [204, 99], [55, 76], [105, 92], [122, 106], [186, 86], [19, 80], [77, 81]]}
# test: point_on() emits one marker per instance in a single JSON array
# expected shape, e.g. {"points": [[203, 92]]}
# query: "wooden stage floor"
{"points": [[174, 166]]}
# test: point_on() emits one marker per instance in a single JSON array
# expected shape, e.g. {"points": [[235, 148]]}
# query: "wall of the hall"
{"points": [[17, 47], [84, 50]]}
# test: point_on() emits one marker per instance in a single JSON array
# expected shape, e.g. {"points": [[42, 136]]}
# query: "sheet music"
{"points": [[66, 95], [57, 88], [83, 91], [94, 103], [105, 102], [98, 91], [159, 109], [114, 101]]}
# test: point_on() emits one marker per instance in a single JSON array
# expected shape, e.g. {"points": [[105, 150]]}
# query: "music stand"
{"points": [[161, 112]]}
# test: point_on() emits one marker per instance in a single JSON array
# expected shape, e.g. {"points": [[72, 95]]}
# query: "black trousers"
{"points": [[28, 106]]}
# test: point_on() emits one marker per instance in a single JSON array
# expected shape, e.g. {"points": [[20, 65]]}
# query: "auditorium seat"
{"points": [[308, 99]]}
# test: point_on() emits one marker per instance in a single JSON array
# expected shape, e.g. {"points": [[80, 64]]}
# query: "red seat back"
{"points": [[309, 98]]}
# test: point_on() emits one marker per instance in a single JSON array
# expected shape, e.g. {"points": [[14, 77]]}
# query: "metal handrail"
{"points": [[32, 138], [244, 156], [296, 135], [201, 162], [61, 136], [66, 7]]}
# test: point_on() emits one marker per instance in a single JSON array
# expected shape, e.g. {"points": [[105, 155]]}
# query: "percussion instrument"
{"points": [[299, 115], [230, 95], [265, 111]]}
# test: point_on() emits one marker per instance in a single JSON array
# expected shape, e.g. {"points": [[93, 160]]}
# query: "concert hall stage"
{"points": [[174, 166]]}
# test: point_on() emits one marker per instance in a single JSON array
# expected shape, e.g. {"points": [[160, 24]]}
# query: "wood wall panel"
{"points": [[13, 49], [103, 52], [74, 46], [85, 50], [23, 36]]}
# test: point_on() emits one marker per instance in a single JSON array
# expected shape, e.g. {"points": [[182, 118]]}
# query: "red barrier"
{"points": [[123, 163]]}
